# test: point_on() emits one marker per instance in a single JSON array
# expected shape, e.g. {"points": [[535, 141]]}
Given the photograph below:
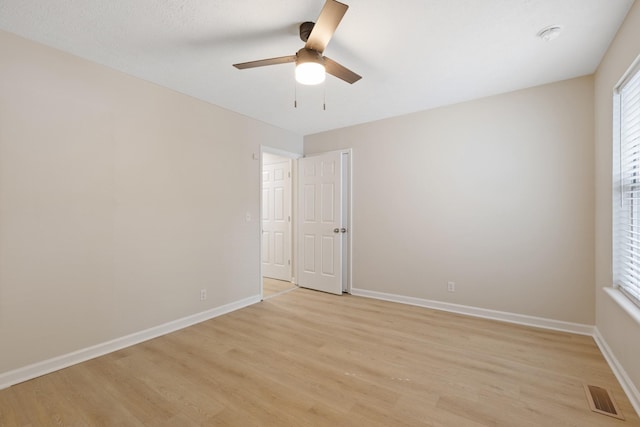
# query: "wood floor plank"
{"points": [[305, 358]]}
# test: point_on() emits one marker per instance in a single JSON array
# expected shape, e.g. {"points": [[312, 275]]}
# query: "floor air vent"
{"points": [[601, 401]]}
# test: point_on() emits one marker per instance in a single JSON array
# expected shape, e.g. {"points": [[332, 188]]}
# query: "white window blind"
{"points": [[627, 184]]}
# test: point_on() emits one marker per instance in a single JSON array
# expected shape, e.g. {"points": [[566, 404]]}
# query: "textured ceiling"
{"points": [[412, 54]]}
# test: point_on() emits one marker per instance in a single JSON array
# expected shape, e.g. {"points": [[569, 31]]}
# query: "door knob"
{"points": [[343, 230], [336, 230]]}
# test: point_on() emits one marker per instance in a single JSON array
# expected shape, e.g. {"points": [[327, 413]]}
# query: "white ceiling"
{"points": [[413, 54]]}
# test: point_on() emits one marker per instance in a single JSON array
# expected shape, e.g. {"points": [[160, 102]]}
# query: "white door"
{"points": [[276, 219], [321, 222]]}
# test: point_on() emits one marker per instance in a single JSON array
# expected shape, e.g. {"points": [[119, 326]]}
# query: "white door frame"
{"points": [[348, 205]]}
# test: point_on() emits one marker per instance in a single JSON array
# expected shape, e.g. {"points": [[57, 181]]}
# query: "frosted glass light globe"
{"points": [[310, 73]]}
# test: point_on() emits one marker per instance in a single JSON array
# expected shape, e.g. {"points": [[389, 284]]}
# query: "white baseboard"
{"points": [[520, 319], [25, 373], [625, 382]]}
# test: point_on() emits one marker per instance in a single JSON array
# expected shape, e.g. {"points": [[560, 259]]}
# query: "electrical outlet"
{"points": [[451, 286], [203, 294]]}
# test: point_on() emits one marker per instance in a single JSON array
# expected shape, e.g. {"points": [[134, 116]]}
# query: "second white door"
{"points": [[276, 220]]}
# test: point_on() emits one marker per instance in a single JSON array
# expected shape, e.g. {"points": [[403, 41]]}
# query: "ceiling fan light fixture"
{"points": [[309, 67]]}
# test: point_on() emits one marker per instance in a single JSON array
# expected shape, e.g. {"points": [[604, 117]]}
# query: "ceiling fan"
{"points": [[311, 65]]}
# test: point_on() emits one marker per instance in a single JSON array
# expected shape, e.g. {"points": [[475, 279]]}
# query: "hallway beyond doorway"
{"points": [[273, 287]]}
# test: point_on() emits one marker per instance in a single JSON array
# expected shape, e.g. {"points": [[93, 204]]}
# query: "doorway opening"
{"points": [[277, 221], [306, 221]]}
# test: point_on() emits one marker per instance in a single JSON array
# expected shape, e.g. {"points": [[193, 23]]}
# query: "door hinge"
{"points": [[289, 262], [289, 218], [289, 174]]}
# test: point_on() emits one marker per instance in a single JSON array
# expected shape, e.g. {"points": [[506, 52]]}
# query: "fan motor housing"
{"points": [[309, 55], [305, 30]]}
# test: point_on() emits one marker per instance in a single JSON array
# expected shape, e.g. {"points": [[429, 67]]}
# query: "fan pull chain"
{"points": [[324, 96], [295, 94]]}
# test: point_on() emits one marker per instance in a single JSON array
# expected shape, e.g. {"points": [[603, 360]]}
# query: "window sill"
{"points": [[629, 307]]}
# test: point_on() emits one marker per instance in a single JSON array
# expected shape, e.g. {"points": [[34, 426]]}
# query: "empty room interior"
{"points": [[439, 228]]}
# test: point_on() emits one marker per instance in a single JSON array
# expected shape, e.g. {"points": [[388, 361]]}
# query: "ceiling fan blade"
{"points": [[326, 25], [265, 62], [337, 70]]}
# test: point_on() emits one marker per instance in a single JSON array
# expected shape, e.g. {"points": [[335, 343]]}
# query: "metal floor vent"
{"points": [[601, 401]]}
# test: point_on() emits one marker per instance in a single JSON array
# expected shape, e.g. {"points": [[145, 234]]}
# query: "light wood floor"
{"points": [[272, 287], [311, 359]]}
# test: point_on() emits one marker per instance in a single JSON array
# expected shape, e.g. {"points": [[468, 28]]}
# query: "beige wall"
{"points": [[621, 333], [119, 201], [495, 194]]}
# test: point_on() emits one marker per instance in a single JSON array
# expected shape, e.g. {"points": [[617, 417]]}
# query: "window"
{"points": [[626, 227]]}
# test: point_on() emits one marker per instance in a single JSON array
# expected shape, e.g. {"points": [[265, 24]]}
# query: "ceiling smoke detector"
{"points": [[550, 33]]}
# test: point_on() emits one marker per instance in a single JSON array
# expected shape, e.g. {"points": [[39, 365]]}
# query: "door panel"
{"points": [[278, 245], [276, 216], [328, 260], [309, 260], [328, 203], [321, 208]]}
